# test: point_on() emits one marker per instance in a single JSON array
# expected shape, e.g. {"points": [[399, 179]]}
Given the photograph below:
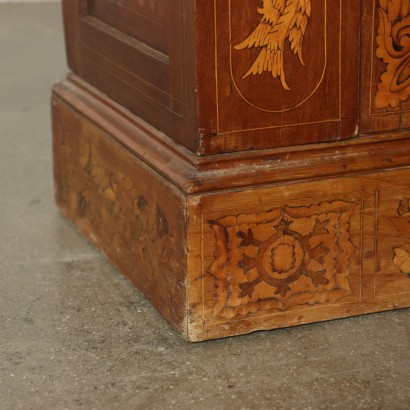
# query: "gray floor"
{"points": [[74, 334]]}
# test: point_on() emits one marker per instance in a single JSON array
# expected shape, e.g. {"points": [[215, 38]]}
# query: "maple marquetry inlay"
{"points": [[402, 254], [286, 257], [282, 21], [394, 49]]}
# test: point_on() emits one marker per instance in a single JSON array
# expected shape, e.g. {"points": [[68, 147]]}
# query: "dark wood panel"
{"points": [[141, 54], [124, 54], [219, 86], [260, 90], [142, 20], [131, 98]]}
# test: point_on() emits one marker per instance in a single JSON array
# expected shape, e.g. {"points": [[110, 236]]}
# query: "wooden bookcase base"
{"points": [[231, 244]]}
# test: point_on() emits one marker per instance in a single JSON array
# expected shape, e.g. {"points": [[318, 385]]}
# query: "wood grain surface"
{"points": [[211, 77], [284, 255], [220, 256], [185, 67], [243, 103], [140, 54], [135, 217], [245, 163]]}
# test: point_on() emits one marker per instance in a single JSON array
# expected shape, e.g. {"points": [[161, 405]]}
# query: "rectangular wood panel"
{"points": [[278, 76], [279, 255], [115, 200]]}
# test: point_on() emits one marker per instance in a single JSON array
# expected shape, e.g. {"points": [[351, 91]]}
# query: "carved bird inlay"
{"points": [[282, 21]]}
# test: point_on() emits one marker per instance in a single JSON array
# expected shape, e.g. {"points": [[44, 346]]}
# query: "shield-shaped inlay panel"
{"points": [[286, 73]]}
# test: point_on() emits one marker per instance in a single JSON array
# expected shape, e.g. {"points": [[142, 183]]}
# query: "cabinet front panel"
{"points": [[385, 77], [267, 257], [284, 73]]}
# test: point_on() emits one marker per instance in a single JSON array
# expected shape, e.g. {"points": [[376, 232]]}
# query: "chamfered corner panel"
{"points": [[280, 74]]}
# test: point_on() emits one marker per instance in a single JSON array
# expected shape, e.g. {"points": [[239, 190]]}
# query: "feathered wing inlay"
{"points": [[282, 20]]}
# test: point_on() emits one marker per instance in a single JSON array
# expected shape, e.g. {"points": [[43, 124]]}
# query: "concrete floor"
{"points": [[75, 335]]}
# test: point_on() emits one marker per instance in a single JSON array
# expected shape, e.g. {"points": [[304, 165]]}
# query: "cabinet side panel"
{"points": [[141, 54], [121, 205]]}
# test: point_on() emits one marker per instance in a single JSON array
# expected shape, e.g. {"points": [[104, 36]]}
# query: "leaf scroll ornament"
{"points": [[393, 41], [402, 259], [402, 224]]}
